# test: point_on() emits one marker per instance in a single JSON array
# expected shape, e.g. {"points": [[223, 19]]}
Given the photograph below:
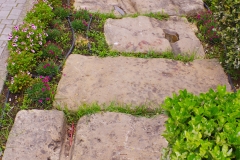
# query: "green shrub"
{"points": [[203, 127], [226, 14], [208, 27], [40, 92], [51, 50], [62, 12], [56, 23], [55, 3], [47, 68], [81, 14], [19, 82], [41, 11], [79, 25], [21, 62], [53, 34], [27, 37]]}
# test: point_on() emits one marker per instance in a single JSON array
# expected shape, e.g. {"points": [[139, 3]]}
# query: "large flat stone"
{"points": [[135, 35], [36, 135], [143, 34], [171, 7], [118, 136], [133, 80]]}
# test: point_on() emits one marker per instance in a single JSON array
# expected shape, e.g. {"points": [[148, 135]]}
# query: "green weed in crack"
{"points": [[89, 109], [158, 15]]}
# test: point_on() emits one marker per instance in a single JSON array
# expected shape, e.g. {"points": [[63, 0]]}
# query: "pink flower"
{"points": [[24, 30], [40, 42], [14, 44], [16, 28], [34, 27], [40, 100], [32, 50], [198, 16], [51, 52], [47, 99], [45, 79], [43, 89]]}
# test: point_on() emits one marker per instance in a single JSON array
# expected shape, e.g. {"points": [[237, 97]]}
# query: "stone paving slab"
{"points": [[12, 13], [36, 135], [118, 136], [144, 34], [171, 7], [133, 80]]}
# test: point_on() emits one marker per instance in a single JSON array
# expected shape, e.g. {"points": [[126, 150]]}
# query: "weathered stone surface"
{"points": [[36, 134], [143, 34], [133, 80], [135, 35], [171, 7], [188, 43], [119, 136]]}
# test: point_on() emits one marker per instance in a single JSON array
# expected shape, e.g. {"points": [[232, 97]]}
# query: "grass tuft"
{"points": [[89, 109]]}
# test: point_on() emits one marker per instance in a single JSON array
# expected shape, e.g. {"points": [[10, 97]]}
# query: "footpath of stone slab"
{"points": [[41, 135], [172, 7], [12, 13], [133, 81]]}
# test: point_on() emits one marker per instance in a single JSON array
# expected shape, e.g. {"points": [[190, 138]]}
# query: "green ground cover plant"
{"points": [[203, 127], [208, 27], [47, 68], [41, 13], [24, 62], [53, 34], [41, 92], [19, 82], [221, 27], [52, 51]]}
